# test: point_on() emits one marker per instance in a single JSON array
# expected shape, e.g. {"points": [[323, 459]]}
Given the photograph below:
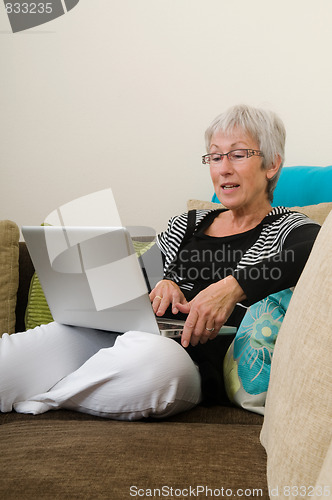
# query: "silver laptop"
{"points": [[92, 277]]}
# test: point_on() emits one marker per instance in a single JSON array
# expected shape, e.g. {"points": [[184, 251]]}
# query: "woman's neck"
{"points": [[245, 220], [232, 222]]}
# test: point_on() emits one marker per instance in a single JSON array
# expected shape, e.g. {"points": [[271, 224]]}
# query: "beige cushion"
{"points": [[324, 478], [9, 253], [201, 204], [297, 428], [318, 213]]}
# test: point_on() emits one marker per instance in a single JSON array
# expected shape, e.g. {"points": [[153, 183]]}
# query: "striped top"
{"points": [[261, 249]]}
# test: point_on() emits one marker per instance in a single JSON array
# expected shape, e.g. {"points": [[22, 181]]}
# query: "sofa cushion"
{"points": [[318, 213], [247, 363], [297, 429], [103, 459], [9, 274]]}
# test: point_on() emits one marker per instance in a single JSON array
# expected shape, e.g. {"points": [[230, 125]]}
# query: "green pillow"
{"points": [[38, 313], [141, 247], [9, 274], [247, 363]]}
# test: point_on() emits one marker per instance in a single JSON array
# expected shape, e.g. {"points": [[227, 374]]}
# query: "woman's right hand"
{"points": [[166, 292]]}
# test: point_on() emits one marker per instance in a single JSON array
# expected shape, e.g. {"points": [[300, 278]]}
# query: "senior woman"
{"points": [[237, 255], [216, 262]]}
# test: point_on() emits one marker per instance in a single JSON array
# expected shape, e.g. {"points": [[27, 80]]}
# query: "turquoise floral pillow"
{"points": [[247, 363]]}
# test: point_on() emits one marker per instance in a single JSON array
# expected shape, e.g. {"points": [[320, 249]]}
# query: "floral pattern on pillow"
{"points": [[247, 363]]}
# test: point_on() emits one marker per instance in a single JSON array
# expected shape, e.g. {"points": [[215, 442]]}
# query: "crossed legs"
{"points": [[124, 377]]}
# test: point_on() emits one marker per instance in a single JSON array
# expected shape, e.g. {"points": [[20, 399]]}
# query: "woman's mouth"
{"points": [[229, 187]]}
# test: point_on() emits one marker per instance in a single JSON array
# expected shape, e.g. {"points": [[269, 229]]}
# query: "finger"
{"points": [[207, 334], [156, 301], [183, 307], [163, 305], [188, 330], [177, 299], [195, 338], [210, 327], [204, 338], [153, 294], [214, 334], [217, 327], [207, 328]]}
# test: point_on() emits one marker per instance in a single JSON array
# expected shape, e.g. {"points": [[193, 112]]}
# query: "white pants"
{"points": [[124, 377]]}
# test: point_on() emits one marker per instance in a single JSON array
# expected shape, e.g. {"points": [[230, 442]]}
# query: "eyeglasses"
{"points": [[234, 156]]}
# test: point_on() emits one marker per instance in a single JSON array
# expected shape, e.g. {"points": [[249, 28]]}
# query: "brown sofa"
{"points": [[208, 452], [64, 454]]}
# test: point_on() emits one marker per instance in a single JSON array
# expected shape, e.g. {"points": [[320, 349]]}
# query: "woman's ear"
{"points": [[273, 170]]}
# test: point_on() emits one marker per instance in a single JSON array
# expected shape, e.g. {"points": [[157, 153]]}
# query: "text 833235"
{"points": [[29, 7]]}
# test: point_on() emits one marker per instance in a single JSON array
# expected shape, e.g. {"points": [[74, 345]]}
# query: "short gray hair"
{"points": [[264, 126]]}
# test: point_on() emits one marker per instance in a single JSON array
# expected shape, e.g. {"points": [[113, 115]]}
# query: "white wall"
{"points": [[119, 93]]}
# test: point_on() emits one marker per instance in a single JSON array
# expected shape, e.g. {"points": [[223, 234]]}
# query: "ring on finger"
{"points": [[209, 329], [158, 297]]}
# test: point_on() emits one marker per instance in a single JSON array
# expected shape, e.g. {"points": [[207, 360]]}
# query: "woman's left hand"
{"points": [[210, 310]]}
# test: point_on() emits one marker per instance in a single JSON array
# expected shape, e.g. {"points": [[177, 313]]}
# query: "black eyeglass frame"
{"points": [[249, 153]]}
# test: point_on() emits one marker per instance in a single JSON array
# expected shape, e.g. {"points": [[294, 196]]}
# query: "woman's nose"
{"points": [[225, 166]]}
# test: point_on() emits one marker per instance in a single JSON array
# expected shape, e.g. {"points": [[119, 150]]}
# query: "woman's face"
{"points": [[238, 185]]}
